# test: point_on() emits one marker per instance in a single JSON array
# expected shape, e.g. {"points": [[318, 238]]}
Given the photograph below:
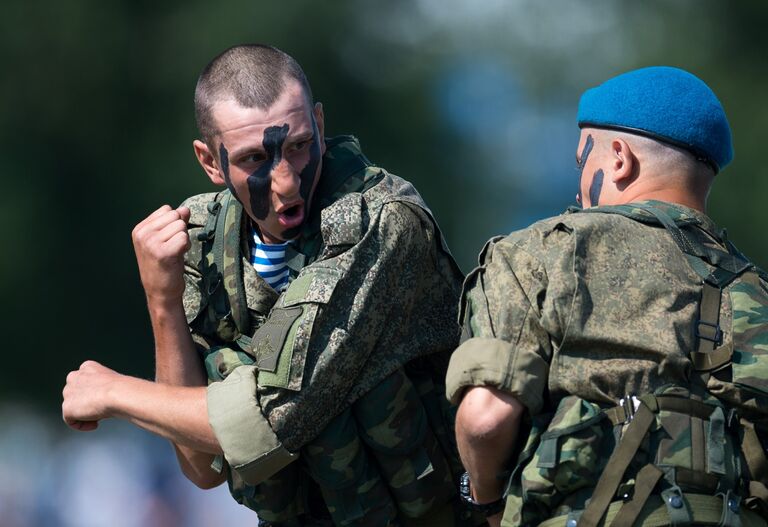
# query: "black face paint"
{"points": [[224, 157], [583, 161], [307, 175], [260, 181], [595, 188]]}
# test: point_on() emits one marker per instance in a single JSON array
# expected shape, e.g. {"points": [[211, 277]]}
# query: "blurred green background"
{"points": [[472, 100]]}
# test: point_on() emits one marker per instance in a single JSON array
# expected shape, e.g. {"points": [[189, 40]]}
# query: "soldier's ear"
{"points": [[208, 161], [623, 161]]}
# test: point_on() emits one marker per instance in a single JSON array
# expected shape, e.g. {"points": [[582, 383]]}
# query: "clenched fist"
{"points": [[160, 242], [86, 399]]}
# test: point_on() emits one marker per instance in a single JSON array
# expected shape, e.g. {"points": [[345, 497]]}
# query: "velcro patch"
{"points": [[269, 339]]}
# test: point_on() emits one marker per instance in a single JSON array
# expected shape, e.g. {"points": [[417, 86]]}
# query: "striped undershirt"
{"points": [[269, 261]]}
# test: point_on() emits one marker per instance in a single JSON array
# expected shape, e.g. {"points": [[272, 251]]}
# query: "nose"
{"points": [[285, 179]]}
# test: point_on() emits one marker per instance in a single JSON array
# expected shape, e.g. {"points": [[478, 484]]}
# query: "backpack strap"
{"points": [[221, 286], [679, 511], [728, 265], [617, 464], [227, 258], [645, 482]]}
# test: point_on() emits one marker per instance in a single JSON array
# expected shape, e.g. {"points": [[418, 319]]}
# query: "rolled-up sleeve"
{"points": [[505, 345], [250, 445]]}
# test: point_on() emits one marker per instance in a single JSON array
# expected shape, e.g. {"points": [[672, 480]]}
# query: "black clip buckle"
{"points": [[718, 337]]}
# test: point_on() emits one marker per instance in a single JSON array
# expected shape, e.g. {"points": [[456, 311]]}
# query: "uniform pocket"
{"points": [[281, 344], [571, 454]]}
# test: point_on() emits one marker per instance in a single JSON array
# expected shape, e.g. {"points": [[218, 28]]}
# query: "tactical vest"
{"points": [[683, 455], [389, 459]]}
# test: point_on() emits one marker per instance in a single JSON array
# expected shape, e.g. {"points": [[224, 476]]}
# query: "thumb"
{"points": [[185, 213]]}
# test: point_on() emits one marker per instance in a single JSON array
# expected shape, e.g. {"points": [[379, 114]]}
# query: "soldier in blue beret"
{"points": [[613, 368]]}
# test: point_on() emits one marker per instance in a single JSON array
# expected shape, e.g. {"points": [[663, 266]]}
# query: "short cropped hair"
{"points": [[254, 75]]}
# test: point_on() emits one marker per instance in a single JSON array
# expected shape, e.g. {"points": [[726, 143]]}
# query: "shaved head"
{"points": [[253, 75]]}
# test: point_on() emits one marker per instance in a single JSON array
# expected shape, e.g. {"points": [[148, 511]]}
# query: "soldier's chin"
{"points": [[292, 233]]}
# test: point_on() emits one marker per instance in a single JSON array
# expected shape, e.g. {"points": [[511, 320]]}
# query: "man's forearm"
{"points": [[176, 360], [486, 430], [174, 412]]}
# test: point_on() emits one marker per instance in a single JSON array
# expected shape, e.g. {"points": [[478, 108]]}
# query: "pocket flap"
{"points": [[314, 284]]}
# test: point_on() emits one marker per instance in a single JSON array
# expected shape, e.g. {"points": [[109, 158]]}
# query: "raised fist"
{"points": [[160, 242]]}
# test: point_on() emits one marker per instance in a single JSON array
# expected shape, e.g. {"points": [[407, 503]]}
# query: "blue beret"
{"points": [[667, 104]]}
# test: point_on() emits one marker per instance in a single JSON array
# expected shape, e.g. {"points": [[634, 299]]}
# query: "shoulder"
{"points": [[555, 237], [391, 201], [545, 240]]}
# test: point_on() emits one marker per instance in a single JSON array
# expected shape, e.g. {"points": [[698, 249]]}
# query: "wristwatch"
{"points": [[489, 509]]}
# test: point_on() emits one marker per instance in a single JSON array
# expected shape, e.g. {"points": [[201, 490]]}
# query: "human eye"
{"points": [[255, 157], [300, 145]]}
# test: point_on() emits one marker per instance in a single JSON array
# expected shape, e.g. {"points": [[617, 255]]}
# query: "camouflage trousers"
{"points": [[387, 460]]}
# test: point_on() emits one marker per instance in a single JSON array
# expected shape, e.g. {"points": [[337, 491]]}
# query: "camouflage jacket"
{"points": [[601, 306], [373, 288]]}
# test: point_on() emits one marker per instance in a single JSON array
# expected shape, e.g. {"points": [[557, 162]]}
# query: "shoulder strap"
{"points": [[226, 253], [728, 264], [222, 285]]}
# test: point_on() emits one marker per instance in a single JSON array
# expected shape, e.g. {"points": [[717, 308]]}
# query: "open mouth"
{"points": [[293, 211], [291, 216]]}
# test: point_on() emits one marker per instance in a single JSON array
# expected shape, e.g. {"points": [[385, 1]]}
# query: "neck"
{"points": [[673, 196]]}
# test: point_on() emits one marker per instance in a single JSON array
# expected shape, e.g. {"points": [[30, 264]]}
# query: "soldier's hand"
{"points": [[160, 242], [85, 395]]}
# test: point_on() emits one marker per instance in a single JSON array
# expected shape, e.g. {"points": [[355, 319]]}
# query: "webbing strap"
{"points": [[698, 481], [226, 255], [706, 510], [754, 453], [667, 403], [708, 331], [547, 451], [716, 443], [213, 295], [713, 360], [681, 239], [617, 465], [730, 264], [645, 482]]}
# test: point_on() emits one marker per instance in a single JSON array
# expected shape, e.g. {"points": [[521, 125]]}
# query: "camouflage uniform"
{"points": [[344, 368], [581, 310]]}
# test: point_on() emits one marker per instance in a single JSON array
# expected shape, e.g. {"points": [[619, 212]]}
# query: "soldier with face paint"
{"points": [[608, 351], [303, 318]]}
